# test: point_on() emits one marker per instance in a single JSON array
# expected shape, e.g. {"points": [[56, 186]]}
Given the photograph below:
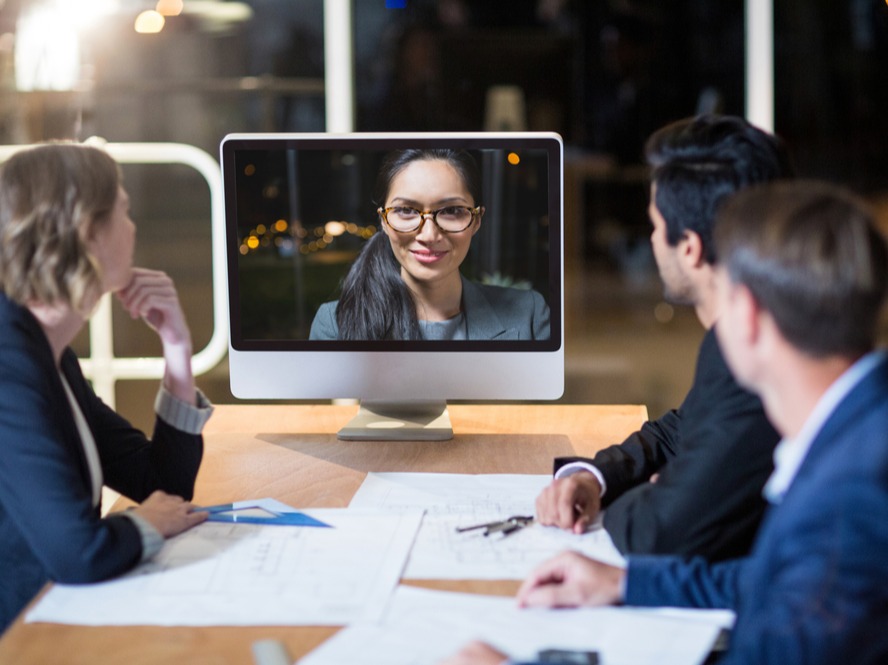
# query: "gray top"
{"points": [[491, 312], [452, 328]]}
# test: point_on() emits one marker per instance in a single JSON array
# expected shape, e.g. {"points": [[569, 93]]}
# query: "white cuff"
{"points": [[182, 415], [152, 540], [576, 467]]}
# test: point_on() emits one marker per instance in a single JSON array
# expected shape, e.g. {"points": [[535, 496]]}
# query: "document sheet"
{"points": [[422, 627], [248, 574], [458, 500]]}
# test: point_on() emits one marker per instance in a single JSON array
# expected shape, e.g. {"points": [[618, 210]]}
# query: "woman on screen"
{"points": [[406, 284], [66, 239]]}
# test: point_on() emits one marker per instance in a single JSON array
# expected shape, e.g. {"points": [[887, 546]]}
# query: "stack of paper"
{"points": [[452, 500], [245, 574], [256, 574], [422, 627]]}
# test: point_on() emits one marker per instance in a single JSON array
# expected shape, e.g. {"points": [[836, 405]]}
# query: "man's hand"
{"points": [[476, 653], [572, 580], [572, 502], [169, 514]]}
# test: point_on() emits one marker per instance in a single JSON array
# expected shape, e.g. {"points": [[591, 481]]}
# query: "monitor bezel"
{"points": [[549, 142]]}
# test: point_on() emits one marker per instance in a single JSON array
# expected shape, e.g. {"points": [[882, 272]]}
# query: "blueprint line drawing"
{"points": [[458, 500], [424, 626], [247, 574]]}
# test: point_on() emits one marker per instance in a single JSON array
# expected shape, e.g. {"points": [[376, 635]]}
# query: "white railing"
{"points": [[339, 75], [101, 366], [760, 63]]}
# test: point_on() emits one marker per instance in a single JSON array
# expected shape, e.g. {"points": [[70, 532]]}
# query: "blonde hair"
{"points": [[52, 197]]}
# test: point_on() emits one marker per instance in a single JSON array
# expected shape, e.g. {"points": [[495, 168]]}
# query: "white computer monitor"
{"points": [[298, 210]]}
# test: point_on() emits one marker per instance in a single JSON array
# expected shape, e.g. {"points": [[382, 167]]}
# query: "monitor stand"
{"points": [[399, 421]]}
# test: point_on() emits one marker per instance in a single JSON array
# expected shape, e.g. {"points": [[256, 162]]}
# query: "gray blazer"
{"points": [[492, 312]]}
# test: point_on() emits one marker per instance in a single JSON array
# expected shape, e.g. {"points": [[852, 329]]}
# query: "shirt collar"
{"points": [[791, 452]]}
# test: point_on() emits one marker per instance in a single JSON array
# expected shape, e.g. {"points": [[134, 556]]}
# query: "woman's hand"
{"points": [[151, 296], [169, 514]]}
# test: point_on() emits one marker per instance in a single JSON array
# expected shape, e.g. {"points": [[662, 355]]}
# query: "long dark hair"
{"points": [[374, 302]]}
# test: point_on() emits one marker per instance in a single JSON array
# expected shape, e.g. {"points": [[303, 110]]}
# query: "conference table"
{"points": [[291, 453]]}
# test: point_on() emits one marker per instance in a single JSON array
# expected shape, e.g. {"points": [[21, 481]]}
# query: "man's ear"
{"points": [[691, 249], [748, 313]]}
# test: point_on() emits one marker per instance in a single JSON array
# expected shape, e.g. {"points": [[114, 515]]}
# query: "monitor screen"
{"points": [[395, 268]]}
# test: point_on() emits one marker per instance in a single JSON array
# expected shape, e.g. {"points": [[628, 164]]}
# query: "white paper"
{"points": [[721, 618], [423, 626], [247, 574], [456, 500]]}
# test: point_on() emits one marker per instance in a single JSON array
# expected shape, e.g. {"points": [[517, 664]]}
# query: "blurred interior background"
{"points": [[602, 73]]}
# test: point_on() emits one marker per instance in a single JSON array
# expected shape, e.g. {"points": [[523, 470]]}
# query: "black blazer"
{"points": [[49, 529], [714, 455]]}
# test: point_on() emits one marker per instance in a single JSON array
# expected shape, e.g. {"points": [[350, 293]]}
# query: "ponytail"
{"points": [[375, 303]]}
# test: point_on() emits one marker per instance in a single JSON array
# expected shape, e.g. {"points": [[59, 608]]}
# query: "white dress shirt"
{"points": [[791, 452]]}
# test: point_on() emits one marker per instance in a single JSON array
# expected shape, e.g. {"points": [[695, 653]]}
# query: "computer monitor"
{"points": [[299, 209]]}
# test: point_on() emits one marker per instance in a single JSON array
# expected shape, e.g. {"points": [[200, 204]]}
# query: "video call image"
{"points": [[326, 236]]}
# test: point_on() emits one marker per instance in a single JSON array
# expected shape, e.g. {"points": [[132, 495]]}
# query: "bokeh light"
{"points": [[149, 22]]}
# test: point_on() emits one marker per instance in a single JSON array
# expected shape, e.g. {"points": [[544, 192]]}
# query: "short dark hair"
{"points": [[812, 256], [697, 162]]}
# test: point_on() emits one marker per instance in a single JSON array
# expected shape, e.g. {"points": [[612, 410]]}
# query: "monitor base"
{"points": [[399, 421]]}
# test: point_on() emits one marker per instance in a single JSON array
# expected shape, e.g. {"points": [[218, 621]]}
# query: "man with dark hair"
{"points": [[803, 281], [690, 482]]}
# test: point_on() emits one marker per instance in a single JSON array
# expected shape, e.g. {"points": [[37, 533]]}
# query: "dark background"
{"points": [[603, 73]]}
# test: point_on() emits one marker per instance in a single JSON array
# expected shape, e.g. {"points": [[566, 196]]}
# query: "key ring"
{"points": [[507, 526]]}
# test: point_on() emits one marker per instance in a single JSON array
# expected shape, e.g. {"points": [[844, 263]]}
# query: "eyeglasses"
{"points": [[450, 219]]}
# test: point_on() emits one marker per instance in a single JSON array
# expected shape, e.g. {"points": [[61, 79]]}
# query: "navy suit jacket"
{"points": [[49, 528], [815, 587], [492, 312]]}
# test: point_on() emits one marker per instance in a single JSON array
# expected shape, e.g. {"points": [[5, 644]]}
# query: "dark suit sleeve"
{"points": [[131, 463], [713, 457], [636, 459], [707, 499], [654, 581]]}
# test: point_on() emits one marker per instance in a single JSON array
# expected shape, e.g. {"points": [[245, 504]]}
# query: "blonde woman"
{"points": [[66, 239]]}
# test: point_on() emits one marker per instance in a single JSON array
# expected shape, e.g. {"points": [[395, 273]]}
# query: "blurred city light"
{"points": [[47, 42], [169, 7], [149, 22], [335, 228]]}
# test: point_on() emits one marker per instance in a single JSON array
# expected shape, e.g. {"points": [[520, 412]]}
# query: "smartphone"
{"points": [[568, 657]]}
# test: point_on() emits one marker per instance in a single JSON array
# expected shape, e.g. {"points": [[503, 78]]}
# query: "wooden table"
{"points": [[291, 453]]}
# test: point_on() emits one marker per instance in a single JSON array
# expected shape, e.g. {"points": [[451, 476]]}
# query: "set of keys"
{"points": [[507, 526]]}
